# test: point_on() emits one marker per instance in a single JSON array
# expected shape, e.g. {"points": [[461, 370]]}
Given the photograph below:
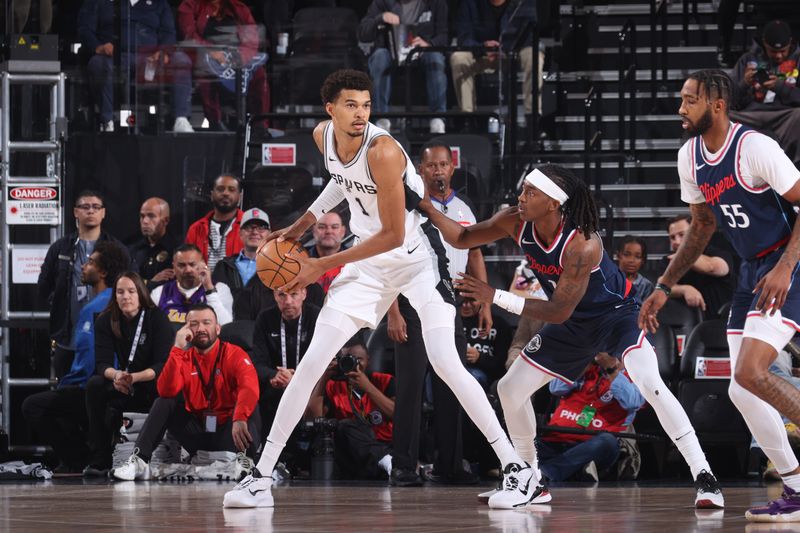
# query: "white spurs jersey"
{"points": [[359, 189]]}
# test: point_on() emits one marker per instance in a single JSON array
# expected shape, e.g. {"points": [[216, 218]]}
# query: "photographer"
{"points": [[364, 405], [208, 398]]}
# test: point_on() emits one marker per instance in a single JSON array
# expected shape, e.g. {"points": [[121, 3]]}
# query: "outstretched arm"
{"points": [[503, 224]]}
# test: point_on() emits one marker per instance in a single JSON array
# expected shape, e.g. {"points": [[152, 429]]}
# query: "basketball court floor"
{"points": [[75, 505]]}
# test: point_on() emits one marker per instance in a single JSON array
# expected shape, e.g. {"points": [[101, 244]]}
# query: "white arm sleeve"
{"points": [[763, 161], [330, 197], [690, 192], [222, 302]]}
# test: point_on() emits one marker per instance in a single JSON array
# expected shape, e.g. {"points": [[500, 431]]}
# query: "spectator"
{"points": [[216, 235], [280, 339], [413, 23], [492, 24], [708, 285], [192, 285], [363, 403], [148, 35], [228, 32], [132, 340], [208, 398], [59, 416], [603, 399], [153, 252], [411, 361], [328, 232], [631, 257], [771, 104], [236, 270], [486, 354], [60, 283]]}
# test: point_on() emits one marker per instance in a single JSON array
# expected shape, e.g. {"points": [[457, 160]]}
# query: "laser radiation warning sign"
{"points": [[33, 204]]}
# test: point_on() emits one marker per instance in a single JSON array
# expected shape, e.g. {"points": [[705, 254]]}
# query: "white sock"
{"points": [[386, 463], [332, 330], [793, 482], [642, 366]]}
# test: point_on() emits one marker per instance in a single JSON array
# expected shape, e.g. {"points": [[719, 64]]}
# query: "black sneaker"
{"points": [[95, 471], [404, 477]]}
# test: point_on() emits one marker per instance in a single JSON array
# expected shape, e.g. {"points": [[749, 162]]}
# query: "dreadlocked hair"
{"points": [[580, 209], [716, 85]]}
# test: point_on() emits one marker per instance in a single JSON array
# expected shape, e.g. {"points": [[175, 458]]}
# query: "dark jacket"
{"points": [[150, 260], [787, 93], [473, 22], [155, 342], [256, 297], [54, 284], [433, 29], [227, 273], [151, 22], [267, 353]]}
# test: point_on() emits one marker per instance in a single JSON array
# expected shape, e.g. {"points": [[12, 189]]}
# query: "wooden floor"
{"points": [[71, 505]]}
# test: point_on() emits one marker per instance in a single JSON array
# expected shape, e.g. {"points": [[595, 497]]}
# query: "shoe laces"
{"points": [[706, 482], [244, 461], [510, 479]]}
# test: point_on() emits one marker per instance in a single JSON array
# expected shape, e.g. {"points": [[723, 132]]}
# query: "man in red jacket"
{"points": [[219, 389], [217, 233]]}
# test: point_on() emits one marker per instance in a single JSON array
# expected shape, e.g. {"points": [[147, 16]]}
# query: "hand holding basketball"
{"points": [[278, 262]]}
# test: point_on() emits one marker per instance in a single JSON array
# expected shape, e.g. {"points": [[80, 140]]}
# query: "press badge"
{"points": [[586, 416], [211, 423]]}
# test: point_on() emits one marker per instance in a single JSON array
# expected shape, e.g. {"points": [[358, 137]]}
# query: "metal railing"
{"points": [[627, 80], [658, 12], [592, 147]]}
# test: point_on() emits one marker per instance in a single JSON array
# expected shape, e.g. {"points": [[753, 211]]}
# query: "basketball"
{"points": [[273, 267]]}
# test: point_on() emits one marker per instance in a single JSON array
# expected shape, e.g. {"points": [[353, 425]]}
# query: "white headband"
{"points": [[538, 179]]}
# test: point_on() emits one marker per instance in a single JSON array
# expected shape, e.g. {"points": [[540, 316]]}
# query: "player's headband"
{"points": [[537, 178]]}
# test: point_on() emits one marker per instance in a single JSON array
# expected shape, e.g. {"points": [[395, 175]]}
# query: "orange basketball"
{"points": [[274, 269]]}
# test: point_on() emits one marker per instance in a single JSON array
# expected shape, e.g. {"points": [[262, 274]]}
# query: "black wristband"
{"points": [[662, 287], [211, 291]]}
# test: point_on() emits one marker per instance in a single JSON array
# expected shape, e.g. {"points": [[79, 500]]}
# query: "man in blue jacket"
{"points": [[58, 417], [147, 30], [493, 24]]}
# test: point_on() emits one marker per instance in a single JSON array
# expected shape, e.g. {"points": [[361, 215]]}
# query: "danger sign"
{"points": [[33, 204], [275, 154]]}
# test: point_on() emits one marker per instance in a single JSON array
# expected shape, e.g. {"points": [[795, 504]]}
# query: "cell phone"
{"points": [[761, 76]]}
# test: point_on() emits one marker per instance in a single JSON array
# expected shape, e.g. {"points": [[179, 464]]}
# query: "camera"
{"points": [[761, 76], [345, 363]]}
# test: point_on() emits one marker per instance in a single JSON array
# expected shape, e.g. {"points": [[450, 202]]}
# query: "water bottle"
{"points": [[494, 125]]}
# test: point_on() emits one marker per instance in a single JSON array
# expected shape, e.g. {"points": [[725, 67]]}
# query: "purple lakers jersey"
{"points": [[755, 220], [607, 287]]}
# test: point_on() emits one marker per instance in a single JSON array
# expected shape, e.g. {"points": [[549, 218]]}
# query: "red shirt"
{"points": [[198, 235], [338, 391], [235, 392]]}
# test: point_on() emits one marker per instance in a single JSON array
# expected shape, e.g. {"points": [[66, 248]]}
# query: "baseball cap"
{"points": [[777, 34], [255, 214]]}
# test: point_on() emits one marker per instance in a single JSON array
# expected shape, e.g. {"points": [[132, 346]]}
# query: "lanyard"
{"points": [[135, 341], [283, 341], [208, 388]]}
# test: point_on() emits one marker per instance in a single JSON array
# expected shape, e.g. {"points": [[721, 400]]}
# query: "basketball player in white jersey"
{"points": [[398, 252]]}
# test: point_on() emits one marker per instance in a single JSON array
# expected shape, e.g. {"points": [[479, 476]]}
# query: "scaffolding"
{"points": [[28, 200]]}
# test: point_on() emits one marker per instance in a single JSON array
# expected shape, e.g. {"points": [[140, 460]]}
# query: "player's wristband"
{"points": [[662, 287], [510, 302]]}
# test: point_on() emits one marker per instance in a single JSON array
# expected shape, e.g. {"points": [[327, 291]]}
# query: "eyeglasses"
{"points": [[87, 207], [255, 227]]}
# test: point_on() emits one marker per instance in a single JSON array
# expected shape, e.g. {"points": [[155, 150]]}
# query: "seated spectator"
{"points": [[256, 297], [631, 257], [216, 235], [328, 232], [603, 399], [152, 254], [493, 24], [708, 284], [771, 104], [148, 34], [192, 285], [229, 31], [236, 270], [208, 398], [363, 402], [280, 339], [132, 341], [486, 354], [58, 417], [420, 23]]}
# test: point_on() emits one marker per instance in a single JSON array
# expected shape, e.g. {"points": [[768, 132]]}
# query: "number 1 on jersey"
{"points": [[362, 207]]}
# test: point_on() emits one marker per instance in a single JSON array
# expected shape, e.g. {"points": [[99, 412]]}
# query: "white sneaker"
{"points": [[133, 468], [709, 495], [182, 125], [520, 487], [437, 126], [107, 127], [252, 491], [384, 123]]}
